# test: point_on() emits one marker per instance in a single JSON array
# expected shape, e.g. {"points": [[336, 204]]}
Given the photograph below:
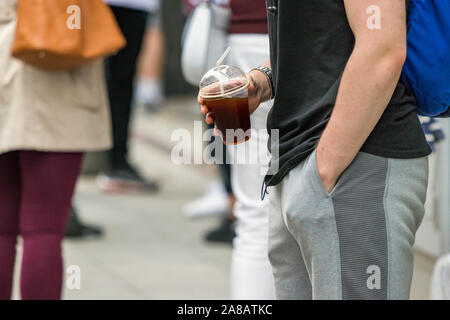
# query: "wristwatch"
{"points": [[268, 73]]}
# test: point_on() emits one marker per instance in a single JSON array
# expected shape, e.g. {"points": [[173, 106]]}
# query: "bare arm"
{"points": [[367, 85], [260, 84]]}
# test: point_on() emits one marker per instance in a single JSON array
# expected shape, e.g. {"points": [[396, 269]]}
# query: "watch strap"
{"points": [[269, 74]]}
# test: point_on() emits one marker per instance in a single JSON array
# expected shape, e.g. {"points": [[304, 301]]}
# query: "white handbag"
{"points": [[204, 40]]}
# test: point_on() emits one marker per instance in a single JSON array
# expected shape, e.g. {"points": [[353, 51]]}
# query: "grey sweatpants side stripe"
{"points": [[361, 224], [406, 188]]}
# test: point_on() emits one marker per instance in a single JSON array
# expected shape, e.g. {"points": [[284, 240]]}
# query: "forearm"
{"points": [[261, 83], [366, 88]]}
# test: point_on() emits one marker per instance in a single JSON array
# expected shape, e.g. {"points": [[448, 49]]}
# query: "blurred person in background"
{"points": [[149, 91], [77, 228], [219, 198], [47, 121], [120, 175], [251, 272]]}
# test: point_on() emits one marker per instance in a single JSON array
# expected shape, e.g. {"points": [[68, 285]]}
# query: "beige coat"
{"points": [[49, 111]]}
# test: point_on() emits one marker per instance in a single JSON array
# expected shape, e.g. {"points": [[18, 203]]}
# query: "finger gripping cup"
{"points": [[225, 92]]}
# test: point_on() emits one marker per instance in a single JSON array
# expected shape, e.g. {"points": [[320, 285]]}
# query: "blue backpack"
{"points": [[426, 72]]}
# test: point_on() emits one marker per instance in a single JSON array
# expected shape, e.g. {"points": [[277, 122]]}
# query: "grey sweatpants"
{"points": [[353, 243]]}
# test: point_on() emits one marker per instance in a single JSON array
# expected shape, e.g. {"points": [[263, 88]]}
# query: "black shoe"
{"points": [[124, 178], [224, 233], [76, 229]]}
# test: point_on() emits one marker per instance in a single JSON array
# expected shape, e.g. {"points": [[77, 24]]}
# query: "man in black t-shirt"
{"points": [[347, 190]]}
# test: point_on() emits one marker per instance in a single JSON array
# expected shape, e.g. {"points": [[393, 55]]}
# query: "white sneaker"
{"points": [[149, 94], [215, 202]]}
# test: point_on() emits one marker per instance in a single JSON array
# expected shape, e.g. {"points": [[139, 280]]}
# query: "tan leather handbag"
{"points": [[65, 34]]}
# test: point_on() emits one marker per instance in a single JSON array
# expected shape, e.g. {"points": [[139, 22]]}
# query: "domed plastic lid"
{"points": [[222, 80]]}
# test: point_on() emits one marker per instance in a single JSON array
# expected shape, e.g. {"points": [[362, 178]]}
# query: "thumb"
{"points": [[251, 84]]}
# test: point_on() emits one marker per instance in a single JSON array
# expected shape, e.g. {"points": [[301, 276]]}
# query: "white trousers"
{"points": [[251, 273]]}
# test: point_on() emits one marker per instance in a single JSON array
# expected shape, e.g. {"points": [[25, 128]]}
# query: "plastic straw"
{"points": [[224, 55]]}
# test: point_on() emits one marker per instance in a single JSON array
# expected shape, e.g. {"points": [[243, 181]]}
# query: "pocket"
{"points": [[318, 179], [80, 88], [88, 85]]}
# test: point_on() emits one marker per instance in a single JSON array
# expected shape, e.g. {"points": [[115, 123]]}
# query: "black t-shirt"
{"points": [[311, 42]]}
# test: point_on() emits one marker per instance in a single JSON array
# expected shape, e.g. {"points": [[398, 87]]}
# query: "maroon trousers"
{"points": [[36, 190]]}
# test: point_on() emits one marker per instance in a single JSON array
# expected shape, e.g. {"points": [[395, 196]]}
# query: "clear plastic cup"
{"points": [[225, 92]]}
